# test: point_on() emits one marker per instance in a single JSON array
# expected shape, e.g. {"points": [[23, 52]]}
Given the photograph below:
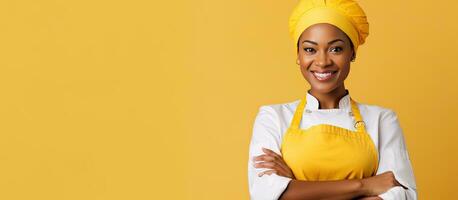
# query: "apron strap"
{"points": [[295, 123], [359, 123]]}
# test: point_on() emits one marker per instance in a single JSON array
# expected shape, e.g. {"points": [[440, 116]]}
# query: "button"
{"points": [[308, 111], [359, 123]]}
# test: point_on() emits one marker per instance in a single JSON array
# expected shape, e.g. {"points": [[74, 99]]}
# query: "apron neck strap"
{"points": [[295, 123], [359, 123]]}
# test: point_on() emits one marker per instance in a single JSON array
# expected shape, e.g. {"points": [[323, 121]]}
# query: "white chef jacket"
{"points": [[382, 124]]}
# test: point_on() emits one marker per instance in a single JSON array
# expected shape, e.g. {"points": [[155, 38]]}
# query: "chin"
{"points": [[321, 87], [324, 89]]}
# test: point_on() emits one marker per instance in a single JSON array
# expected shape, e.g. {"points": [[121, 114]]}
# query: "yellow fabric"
{"points": [[347, 15], [327, 152]]}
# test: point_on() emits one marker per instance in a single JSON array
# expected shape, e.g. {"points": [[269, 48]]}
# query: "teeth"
{"points": [[323, 75]]}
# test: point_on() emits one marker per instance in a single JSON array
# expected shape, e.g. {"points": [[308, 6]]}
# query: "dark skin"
{"points": [[323, 48]]}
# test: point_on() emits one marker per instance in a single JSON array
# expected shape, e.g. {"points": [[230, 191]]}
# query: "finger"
{"points": [[281, 165], [276, 158], [270, 152], [268, 172], [264, 157], [270, 165], [399, 184], [278, 172]]}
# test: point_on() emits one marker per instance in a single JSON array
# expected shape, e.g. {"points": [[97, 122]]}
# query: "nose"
{"points": [[322, 59]]}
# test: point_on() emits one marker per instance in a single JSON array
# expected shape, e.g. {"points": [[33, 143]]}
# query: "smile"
{"points": [[324, 76]]}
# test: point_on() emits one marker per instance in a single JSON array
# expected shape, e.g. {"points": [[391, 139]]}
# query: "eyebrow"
{"points": [[317, 43]]}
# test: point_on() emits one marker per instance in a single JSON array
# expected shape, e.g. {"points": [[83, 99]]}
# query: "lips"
{"points": [[324, 75]]}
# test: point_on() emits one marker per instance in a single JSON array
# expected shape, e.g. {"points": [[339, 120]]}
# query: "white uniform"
{"points": [[381, 123]]}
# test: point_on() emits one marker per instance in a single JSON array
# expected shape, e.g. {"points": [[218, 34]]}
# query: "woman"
{"points": [[326, 145]]}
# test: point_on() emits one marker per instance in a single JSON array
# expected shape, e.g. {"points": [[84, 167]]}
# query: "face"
{"points": [[324, 56]]}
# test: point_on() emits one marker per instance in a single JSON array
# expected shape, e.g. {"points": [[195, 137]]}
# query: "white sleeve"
{"points": [[266, 133], [394, 157]]}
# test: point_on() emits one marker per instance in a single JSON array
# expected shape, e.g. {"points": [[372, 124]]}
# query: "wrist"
{"points": [[364, 189]]}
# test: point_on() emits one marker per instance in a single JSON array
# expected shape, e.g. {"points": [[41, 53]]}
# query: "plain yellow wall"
{"points": [[156, 99]]}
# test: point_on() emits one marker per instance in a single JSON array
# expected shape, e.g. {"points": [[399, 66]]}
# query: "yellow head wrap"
{"points": [[347, 15]]}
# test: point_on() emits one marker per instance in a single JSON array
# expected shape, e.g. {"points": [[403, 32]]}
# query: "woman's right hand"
{"points": [[274, 162], [379, 184]]}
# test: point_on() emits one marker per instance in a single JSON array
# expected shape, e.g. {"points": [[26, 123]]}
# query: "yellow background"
{"points": [[156, 99]]}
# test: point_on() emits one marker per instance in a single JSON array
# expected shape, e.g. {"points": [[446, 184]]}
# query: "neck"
{"points": [[329, 100]]}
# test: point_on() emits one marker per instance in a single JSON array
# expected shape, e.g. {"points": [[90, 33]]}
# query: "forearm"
{"points": [[327, 190]]}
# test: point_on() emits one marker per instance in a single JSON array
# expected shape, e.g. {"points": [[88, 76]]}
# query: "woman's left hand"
{"points": [[274, 162]]}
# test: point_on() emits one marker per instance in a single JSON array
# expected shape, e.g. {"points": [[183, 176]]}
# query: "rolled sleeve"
{"points": [[395, 157], [266, 133]]}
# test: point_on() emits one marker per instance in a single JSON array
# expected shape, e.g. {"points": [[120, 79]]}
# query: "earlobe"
{"points": [[297, 61]]}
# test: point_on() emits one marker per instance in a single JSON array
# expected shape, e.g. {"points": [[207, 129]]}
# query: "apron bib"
{"points": [[326, 152]]}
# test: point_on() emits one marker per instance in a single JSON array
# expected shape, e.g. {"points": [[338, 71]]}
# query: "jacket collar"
{"points": [[313, 103]]}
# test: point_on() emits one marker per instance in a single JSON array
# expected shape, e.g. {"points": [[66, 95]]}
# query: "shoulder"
{"points": [[268, 128], [278, 111], [276, 116], [380, 112], [384, 122]]}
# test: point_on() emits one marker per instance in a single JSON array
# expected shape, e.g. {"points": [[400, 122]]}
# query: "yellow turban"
{"points": [[347, 15]]}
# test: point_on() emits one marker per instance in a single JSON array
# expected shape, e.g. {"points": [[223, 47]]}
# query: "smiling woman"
{"points": [[324, 57], [337, 148]]}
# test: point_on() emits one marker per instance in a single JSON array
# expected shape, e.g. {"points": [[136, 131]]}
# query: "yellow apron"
{"points": [[327, 152]]}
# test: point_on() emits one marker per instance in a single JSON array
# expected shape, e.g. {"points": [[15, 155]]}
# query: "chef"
{"points": [[326, 145]]}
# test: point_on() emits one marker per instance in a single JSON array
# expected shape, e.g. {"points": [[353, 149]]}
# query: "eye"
{"points": [[309, 50], [336, 49]]}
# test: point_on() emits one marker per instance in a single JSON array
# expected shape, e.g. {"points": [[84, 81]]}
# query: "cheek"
{"points": [[343, 63], [344, 71], [306, 73], [305, 62], [304, 65]]}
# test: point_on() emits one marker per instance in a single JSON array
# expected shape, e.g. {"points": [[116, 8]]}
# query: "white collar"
{"points": [[313, 103]]}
